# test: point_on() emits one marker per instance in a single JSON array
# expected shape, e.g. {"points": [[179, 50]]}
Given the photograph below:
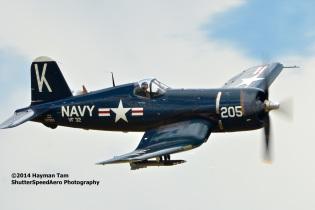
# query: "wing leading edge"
{"points": [[163, 141]]}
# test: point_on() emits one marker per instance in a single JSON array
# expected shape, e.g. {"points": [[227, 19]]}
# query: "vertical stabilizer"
{"points": [[47, 81]]}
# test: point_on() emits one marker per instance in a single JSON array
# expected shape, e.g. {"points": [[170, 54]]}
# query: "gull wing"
{"points": [[256, 77], [167, 139]]}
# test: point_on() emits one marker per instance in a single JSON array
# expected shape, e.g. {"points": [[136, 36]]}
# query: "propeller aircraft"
{"points": [[173, 120]]}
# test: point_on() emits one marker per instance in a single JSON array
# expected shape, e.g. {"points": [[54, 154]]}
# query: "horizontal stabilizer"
{"points": [[19, 117]]}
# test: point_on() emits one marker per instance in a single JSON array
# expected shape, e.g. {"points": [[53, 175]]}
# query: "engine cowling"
{"points": [[241, 109]]}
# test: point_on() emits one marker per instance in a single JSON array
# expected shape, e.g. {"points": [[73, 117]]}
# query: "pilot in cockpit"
{"points": [[150, 88], [144, 90]]}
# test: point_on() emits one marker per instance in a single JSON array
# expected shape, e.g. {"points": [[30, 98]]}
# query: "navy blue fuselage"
{"points": [[94, 110]]}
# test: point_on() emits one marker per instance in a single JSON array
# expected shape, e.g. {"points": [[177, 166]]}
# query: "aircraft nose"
{"points": [[269, 105]]}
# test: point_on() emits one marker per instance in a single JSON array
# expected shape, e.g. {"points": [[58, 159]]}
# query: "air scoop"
{"points": [[269, 105]]}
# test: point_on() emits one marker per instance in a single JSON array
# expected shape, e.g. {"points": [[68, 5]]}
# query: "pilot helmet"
{"points": [[144, 85]]}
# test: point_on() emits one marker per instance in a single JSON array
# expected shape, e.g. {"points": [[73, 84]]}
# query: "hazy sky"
{"points": [[184, 44]]}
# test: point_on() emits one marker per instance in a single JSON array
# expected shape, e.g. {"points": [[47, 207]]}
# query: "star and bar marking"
{"points": [[120, 112], [249, 81], [104, 112]]}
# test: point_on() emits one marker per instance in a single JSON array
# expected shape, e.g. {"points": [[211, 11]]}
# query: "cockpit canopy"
{"points": [[150, 88]]}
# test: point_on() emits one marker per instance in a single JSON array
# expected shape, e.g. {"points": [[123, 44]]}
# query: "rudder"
{"points": [[47, 81]]}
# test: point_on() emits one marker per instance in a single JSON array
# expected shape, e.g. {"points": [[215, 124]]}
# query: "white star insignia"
{"points": [[248, 81], [120, 112]]}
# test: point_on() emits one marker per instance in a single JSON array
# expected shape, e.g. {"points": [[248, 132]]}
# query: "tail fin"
{"points": [[47, 81]]}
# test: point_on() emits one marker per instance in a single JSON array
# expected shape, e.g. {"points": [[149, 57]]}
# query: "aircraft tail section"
{"points": [[47, 81]]}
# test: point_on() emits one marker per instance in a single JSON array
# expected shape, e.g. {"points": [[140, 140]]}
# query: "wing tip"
{"points": [[6, 124], [3, 127], [105, 162], [99, 163]]}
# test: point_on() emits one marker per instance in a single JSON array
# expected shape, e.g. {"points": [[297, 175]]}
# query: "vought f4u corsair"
{"points": [[173, 120]]}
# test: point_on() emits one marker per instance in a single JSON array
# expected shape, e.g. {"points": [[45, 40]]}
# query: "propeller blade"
{"points": [[286, 109], [267, 153]]}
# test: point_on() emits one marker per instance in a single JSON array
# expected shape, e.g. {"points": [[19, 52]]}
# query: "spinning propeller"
{"points": [[286, 110]]}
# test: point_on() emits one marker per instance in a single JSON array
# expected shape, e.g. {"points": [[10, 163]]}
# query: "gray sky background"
{"points": [[180, 43]]}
